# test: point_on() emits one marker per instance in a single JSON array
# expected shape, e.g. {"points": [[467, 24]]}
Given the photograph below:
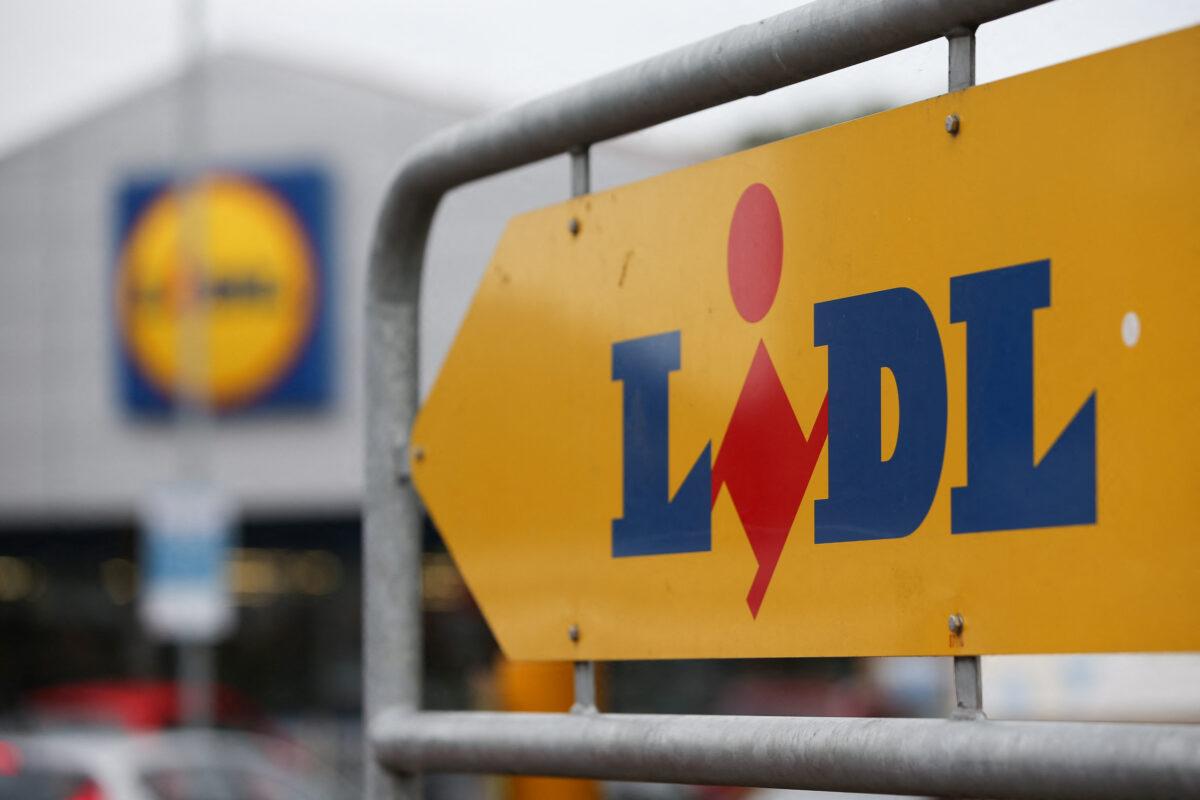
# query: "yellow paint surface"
{"points": [[1093, 164]]}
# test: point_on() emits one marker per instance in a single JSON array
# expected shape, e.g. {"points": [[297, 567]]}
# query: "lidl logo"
{"points": [[767, 456], [259, 335]]}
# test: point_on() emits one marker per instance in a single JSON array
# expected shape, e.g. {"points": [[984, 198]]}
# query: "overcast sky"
{"points": [[60, 59]]}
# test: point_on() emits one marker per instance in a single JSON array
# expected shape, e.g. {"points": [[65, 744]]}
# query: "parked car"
{"points": [[172, 765], [136, 705]]}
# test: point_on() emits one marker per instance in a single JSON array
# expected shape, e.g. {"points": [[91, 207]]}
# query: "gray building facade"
{"points": [[68, 450]]}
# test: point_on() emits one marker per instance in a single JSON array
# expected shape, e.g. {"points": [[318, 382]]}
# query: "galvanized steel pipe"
{"points": [[817, 38], [946, 758]]}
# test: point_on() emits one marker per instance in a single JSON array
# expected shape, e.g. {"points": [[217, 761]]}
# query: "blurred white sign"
{"points": [[1158, 687], [186, 529]]}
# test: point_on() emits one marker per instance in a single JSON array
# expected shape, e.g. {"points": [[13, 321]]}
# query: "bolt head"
{"points": [[956, 624], [573, 633], [418, 454], [952, 124], [573, 226]]}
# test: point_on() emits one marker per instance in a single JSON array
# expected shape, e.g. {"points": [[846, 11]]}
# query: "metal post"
{"points": [[962, 59], [581, 170], [197, 689], [585, 688], [968, 688], [391, 530], [192, 413], [196, 661], [968, 683], [585, 671], [939, 757]]}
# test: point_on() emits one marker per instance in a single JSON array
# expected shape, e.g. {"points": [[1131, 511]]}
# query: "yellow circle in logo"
{"points": [[254, 291]]}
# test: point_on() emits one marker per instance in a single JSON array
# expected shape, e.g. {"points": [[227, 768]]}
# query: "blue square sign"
{"points": [[223, 292]]}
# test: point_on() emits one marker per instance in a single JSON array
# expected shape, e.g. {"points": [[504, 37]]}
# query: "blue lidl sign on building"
{"points": [[224, 291]]}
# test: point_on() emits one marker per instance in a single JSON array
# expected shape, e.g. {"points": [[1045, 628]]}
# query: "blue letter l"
{"points": [[653, 523]]}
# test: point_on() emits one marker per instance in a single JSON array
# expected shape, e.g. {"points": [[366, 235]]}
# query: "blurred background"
{"points": [[187, 195]]}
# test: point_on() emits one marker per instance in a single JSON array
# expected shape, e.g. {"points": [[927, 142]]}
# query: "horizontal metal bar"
{"points": [[949, 758]]}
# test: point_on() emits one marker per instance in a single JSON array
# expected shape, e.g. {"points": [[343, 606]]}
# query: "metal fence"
{"points": [[967, 755]]}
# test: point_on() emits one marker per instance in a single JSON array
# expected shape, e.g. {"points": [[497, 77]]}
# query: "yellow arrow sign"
{"points": [[818, 397]]}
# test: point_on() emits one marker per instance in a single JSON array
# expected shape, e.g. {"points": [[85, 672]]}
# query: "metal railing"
{"points": [[946, 758], [965, 756]]}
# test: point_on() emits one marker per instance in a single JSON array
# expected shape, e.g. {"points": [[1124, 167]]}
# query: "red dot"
{"points": [[755, 252]]}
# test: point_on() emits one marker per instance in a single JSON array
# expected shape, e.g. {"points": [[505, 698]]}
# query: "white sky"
{"points": [[60, 59]]}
